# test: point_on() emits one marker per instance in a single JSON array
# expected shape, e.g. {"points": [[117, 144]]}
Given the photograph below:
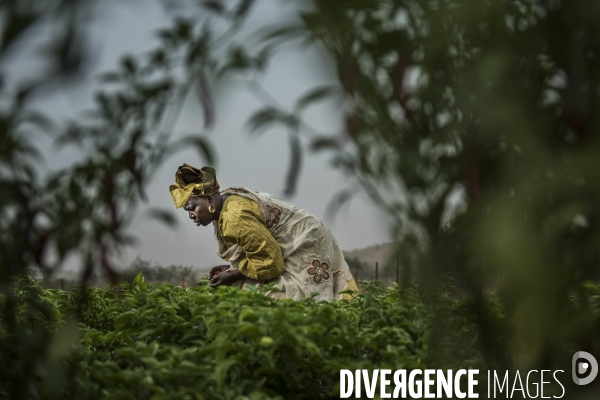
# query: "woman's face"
{"points": [[197, 208]]}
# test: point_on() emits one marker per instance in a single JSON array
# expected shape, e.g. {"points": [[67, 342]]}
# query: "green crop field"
{"points": [[140, 341], [162, 341]]}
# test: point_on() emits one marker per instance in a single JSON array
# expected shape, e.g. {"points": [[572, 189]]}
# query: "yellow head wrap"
{"points": [[191, 181]]}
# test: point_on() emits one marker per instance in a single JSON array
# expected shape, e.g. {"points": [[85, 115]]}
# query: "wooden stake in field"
{"points": [[376, 270]]}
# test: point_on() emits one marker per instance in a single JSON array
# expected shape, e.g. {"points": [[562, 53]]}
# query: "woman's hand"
{"points": [[215, 271], [226, 278]]}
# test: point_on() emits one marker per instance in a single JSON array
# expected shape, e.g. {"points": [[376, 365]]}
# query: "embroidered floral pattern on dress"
{"points": [[273, 216], [318, 270]]}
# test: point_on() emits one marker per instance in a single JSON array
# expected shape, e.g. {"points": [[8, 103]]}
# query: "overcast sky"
{"points": [[259, 163]]}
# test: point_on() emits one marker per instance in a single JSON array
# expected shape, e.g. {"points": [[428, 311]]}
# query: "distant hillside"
{"points": [[370, 255]]}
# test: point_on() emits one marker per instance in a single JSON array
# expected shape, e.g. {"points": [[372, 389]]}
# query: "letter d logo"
{"points": [[590, 364]]}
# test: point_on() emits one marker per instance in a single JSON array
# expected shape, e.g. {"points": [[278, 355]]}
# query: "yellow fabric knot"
{"points": [[181, 193], [191, 181]]}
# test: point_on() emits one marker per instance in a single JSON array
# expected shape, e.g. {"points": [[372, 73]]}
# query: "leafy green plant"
{"points": [[139, 340], [158, 341]]}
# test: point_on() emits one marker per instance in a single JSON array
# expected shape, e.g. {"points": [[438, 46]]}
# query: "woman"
{"points": [[264, 238]]}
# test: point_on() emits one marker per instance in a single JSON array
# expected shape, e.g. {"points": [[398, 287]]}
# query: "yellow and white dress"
{"points": [[270, 240]]}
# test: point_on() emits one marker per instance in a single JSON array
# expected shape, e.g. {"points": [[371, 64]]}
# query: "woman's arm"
{"points": [[214, 271], [227, 278]]}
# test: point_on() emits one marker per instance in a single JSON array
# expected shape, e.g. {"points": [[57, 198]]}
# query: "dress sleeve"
{"points": [[241, 222]]}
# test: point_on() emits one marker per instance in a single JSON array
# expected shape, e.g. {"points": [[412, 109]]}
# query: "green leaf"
{"points": [[247, 330], [325, 142], [338, 200], [215, 6], [314, 95], [221, 371], [262, 119], [286, 32], [148, 332], [243, 8], [140, 282]]}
